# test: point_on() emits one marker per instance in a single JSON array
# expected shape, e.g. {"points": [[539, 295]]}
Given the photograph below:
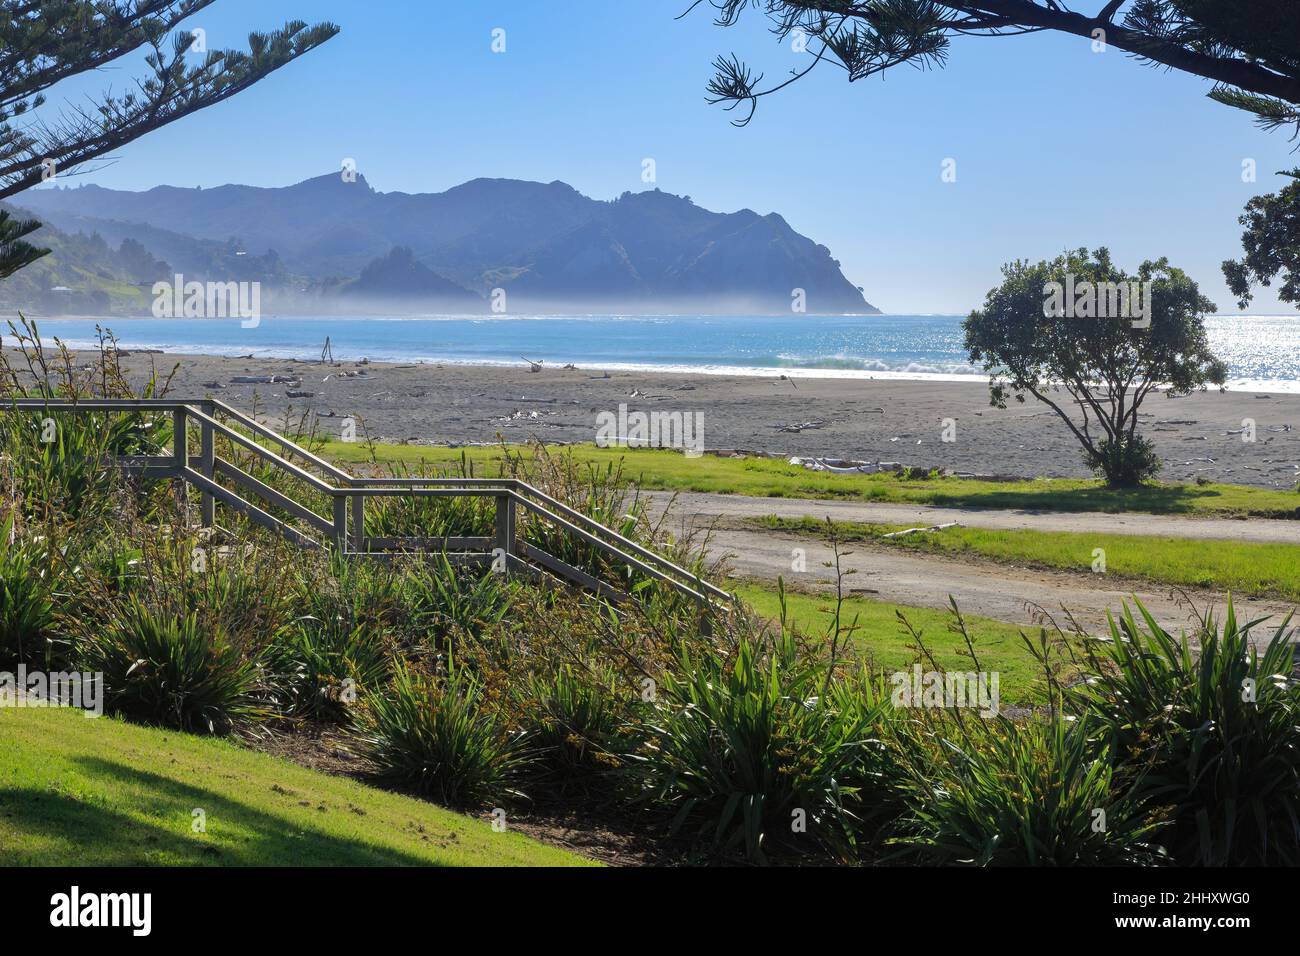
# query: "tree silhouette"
{"points": [[1249, 49]]}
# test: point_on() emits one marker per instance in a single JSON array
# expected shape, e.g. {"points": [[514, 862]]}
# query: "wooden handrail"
{"points": [[509, 492]]}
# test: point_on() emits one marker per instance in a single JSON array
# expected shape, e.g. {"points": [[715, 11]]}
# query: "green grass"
{"points": [[661, 469], [886, 645], [81, 792], [1247, 568]]}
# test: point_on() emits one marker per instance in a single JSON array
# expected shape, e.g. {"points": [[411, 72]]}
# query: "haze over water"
{"points": [[1261, 351]]}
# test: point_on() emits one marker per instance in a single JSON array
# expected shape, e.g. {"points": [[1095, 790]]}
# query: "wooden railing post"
{"points": [[341, 522], [358, 523], [207, 464], [180, 459], [180, 451], [505, 538]]}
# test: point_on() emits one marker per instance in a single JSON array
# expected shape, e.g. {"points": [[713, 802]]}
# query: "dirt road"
{"points": [[986, 588], [1170, 526]]}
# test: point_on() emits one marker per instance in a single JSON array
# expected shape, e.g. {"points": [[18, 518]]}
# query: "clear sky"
{"points": [[1055, 146]]}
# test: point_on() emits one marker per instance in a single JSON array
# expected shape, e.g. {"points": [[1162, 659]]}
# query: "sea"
{"points": [[1262, 352]]}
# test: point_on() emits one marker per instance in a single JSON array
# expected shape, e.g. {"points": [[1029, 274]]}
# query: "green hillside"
{"points": [[81, 792]]}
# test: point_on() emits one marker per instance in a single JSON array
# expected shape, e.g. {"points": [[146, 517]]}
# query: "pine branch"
{"points": [[175, 90], [1244, 59], [15, 252], [74, 37]]}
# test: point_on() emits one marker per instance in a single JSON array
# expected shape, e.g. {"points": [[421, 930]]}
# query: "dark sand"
{"points": [[868, 420]]}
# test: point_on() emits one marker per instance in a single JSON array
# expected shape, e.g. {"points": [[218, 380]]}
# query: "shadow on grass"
{"points": [[1152, 499], [237, 834]]}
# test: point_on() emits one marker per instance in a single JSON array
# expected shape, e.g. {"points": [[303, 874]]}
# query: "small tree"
{"points": [[1272, 244], [1092, 342]]}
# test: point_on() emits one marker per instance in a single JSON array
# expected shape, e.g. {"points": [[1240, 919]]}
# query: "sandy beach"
{"points": [[861, 419]]}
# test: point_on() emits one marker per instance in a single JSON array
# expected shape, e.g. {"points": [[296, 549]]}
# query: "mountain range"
{"points": [[331, 245]]}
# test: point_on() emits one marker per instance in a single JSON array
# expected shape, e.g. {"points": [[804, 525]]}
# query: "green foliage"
{"points": [[750, 737], [1125, 461], [324, 664], [446, 601], [28, 608], [179, 627], [1247, 47], [598, 492], [748, 748], [15, 252], [432, 733], [342, 639], [1039, 793], [1272, 244], [66, 477], [240, 589], [355, 593], [171, 669], [99, 279], [1212, 725], [55, 463], [574, 715], [1105, 360], [431, 516]]}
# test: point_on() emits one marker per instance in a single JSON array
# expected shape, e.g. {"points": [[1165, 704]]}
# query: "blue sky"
{"points": [[1055, 146]]}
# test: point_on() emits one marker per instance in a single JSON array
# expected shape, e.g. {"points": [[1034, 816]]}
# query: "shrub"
{"points": [[1213, 727], [432, 733], [56, 462], [59, 479], [445, 600], [744, 747], [573, 716], [242, 586], [171, 669], [1125, 461], [431, 516], [340, 649], [1020, 795], [324, 664], [239, 587], [349, 593], [27, 604]]}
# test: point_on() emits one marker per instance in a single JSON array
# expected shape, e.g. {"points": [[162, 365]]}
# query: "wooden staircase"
{"points": [[344, 528]]}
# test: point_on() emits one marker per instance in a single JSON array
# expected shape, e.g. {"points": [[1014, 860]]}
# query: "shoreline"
{"points": [[864, 419], [795, 359], [801, 372]]}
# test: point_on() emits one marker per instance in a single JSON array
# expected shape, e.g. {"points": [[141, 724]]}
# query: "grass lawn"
{"points": [[1243, 567], [886, 645], [81, 792], [661, 469]]}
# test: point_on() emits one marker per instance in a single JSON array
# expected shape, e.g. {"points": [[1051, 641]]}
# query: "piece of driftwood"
{"points": [[934, 527]]}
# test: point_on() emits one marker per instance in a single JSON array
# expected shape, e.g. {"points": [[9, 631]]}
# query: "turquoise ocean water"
{"points": [[1261, 351]]}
